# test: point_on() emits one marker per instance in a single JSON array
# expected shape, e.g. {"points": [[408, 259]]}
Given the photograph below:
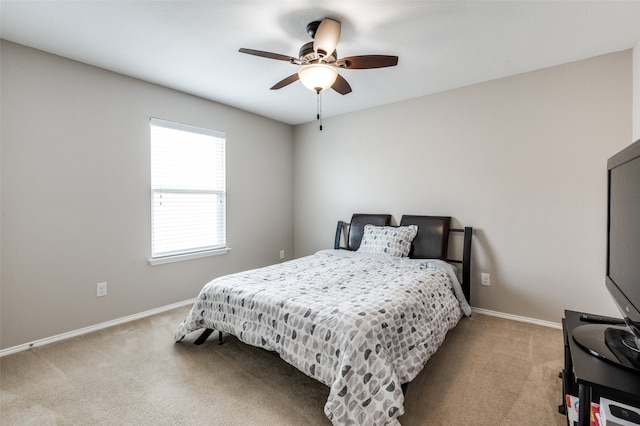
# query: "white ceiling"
{"points": [[193, 46]]}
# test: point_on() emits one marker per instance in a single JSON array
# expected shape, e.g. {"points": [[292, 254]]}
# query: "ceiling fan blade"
{"points": [[285, 82], [368, 61], [341, 86], [327, 36], [268, 55]]}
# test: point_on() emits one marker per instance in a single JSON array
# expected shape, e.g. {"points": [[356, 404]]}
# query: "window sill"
{"points": [[187, 256]]}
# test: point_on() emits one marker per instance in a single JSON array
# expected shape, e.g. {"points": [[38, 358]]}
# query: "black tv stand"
{"points": [[590, 378]]}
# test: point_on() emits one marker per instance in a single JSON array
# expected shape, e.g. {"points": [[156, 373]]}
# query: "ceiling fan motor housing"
{"points": [[308, 55]]}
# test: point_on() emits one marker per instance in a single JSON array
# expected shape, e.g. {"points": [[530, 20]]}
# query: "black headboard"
{"points": [[431, 241]]}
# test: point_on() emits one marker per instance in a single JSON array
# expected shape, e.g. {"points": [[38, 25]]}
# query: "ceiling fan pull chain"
{"points": [[319, 113]]}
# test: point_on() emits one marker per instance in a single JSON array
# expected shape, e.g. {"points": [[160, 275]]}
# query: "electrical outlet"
{"points": [[281, 254], [101, 289], [486, 279]]}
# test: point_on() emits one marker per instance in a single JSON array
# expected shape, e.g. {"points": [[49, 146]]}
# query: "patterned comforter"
{"points": [[362, 324]]}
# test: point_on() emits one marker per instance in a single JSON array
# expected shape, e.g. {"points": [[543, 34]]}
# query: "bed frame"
{"points": [[431, 241]]}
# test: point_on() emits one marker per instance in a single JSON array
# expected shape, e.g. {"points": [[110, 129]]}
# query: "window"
{"points": [[188, 194]]}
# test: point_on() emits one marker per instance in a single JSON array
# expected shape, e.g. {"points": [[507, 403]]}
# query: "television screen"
{"points": [[624, 229], [623, 236]]}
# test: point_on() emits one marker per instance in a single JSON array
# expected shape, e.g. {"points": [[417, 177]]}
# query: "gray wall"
{"points": [[521, 159], [76, 200]]}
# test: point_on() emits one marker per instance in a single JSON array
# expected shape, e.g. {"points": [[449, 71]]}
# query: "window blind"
{"points": [[188, 191]]}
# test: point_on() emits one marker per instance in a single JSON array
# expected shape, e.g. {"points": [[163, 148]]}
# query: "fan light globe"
{"points": [[317, 77]]}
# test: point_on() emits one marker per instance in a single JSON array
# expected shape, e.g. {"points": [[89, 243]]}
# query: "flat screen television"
{"points": [[620, 344]]}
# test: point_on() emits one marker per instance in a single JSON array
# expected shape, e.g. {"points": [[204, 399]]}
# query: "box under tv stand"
{"points": [[590, 378]]}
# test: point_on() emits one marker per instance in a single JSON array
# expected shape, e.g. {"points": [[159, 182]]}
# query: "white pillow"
{"points": [[391, 240]]}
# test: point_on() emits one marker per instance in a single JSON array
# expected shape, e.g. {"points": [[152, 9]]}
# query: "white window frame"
{"points": [[163, 187]]}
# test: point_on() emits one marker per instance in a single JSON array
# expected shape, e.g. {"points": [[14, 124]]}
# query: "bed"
{"points": [[362, 318]]}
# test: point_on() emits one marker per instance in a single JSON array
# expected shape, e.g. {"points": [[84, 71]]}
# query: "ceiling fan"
{"points": [[319, 62]]}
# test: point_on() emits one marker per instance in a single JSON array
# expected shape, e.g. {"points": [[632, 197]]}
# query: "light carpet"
{"points": [[489, 371]]}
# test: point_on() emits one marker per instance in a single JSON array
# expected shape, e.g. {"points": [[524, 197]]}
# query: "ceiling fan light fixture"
{"points": [[317, 77]]}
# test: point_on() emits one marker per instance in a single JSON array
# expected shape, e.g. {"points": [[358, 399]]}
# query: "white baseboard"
{"points": [[517, 318], [90, 329], [86, 330]]}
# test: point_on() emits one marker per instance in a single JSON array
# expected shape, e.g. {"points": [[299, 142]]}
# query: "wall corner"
{"points": [[635, 111]]}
